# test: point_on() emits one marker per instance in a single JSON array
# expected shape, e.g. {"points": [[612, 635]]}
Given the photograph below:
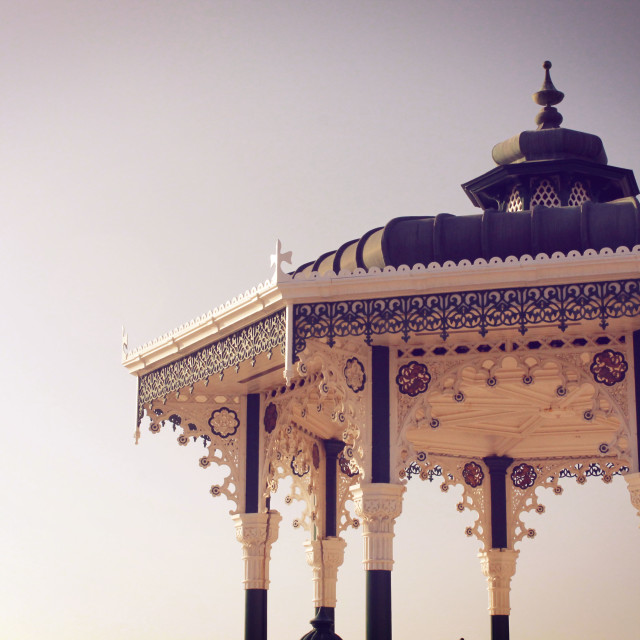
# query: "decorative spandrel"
{"points": [[218, 422], [525, 477]]}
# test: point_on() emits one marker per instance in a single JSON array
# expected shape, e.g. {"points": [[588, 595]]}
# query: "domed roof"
{"points": [[491, 234], [551, 191]]}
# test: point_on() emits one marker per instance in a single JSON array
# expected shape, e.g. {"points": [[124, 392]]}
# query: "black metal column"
{"points": [[255, 603], [255, 614], [498, 466], [332, 448], [379, 581]]}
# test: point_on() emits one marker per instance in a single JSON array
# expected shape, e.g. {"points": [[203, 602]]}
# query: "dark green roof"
{"points": [[491, 234]]}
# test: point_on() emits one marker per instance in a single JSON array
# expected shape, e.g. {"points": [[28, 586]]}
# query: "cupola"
{"points": [[549, 166]]}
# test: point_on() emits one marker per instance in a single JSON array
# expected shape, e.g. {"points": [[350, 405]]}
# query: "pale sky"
{"points": [[151, 154]]}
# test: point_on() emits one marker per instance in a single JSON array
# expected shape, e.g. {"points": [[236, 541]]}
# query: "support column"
{"points": [[325, 555], [378, 505], [256, 532], [499, 562], [379, 502]]}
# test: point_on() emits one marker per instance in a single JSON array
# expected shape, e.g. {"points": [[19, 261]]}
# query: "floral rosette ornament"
{"points": [[523, 476], [413, 378], [224, 422], [354, 375], [609, 367], [345, 466], [270, 417], [300, 464], [473, 474]]}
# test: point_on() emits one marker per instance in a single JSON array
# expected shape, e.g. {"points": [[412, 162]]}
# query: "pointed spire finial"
{"points": [[549, 117]]}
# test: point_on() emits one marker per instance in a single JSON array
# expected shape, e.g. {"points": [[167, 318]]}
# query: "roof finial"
{"points": [[548, 118]]}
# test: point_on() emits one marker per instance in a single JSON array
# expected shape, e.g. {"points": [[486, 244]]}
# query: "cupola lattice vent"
{"points": [[578, 195], [545, 195], [516, 202]]}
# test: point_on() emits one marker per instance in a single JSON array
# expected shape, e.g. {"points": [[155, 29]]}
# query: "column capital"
{"points": [[499, 566], [378, 505], [256, 532], [633, 484], [378, 501], [325, 556]]}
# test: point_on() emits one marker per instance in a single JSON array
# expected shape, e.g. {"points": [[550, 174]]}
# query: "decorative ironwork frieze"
{"points": [[243, 345], [440, 313]]}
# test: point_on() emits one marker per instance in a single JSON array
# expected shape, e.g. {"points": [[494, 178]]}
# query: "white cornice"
{"points": [[221, 321], [465, 275], [435, 278]]}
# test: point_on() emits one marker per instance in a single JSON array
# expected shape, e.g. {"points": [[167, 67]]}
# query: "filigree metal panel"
{"points": [[440, 313], [241, 346]]}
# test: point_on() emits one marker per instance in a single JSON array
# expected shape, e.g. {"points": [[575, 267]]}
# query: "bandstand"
{"points": [[495, 351]]}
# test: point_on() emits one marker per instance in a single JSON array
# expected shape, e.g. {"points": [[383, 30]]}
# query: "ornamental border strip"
{"points": [[240, 346], [482, 310]]}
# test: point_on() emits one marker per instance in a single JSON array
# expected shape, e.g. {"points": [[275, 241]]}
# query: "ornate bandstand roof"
{"points": [[553, 212], [496, 351], [552, 258]]}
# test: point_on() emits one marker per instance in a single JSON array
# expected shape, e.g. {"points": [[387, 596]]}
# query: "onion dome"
{"points": [[550, 165]]}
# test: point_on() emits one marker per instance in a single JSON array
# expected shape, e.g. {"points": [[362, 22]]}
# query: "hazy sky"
{"points": [[151, 154]]}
